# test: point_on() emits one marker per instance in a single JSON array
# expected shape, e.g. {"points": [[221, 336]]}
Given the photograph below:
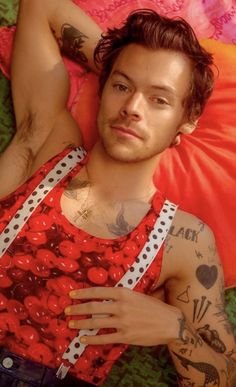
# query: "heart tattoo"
{"points": [[207, 275]]}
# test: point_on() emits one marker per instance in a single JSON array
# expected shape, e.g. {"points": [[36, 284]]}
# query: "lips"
{"points": [[125, 131]]}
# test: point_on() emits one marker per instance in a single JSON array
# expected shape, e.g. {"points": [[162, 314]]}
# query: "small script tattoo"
{"points": [[211, 375], [72, 41], [200, 308], [121, 227], [207, 275], [198, 254]]}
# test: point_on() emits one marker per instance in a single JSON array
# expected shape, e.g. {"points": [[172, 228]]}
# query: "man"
{"points": [[81, 236]]}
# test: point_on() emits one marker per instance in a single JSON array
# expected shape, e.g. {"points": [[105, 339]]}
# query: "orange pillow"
{"points": [[200, 173]]}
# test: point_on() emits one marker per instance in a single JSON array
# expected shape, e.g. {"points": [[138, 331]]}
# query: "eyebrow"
{"points": [[165, 88]]}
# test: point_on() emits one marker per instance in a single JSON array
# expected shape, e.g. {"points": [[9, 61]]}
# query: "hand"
{"points": [[138, 319]]}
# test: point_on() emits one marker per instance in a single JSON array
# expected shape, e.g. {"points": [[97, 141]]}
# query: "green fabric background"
{"points": [[139, 366]]}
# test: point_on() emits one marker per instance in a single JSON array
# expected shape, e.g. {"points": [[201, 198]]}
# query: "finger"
{"points": [[105, 293], [110, 338], [91, 308], [93, 323]]}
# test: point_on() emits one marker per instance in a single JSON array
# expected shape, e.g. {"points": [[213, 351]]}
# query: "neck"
{"points": [[120, 181]]}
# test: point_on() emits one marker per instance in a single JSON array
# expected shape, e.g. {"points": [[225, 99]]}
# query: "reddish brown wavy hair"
{"points": [[149, 29]]}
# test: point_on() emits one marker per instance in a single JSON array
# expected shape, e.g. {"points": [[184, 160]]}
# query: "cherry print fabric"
{"points": [[51, 257], [190, 174]]}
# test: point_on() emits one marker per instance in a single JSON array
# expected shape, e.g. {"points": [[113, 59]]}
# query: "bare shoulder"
{"points": [[189, 242]]}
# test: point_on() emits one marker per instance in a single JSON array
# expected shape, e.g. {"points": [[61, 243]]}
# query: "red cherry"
{"points": [[28, 334], [66, 264], [36, 238], [82, 364], [17, 275], [9, 322], [18, 309], [53, 304], [40, 222], [59, 328], [40, 353], [93, 352], [86, 261], [47, 257], [69, 249], [39, 314], [61, 345], [114, 257], [114, 354], [116, 273], [22, 261], [6, 261], [97, 275], [131, 249], [50, 200], [39, 269], [29, 301], [3, 302], [127, 263], [141, 238], [5, 281], [53, 214], [64, 301], [86, 244], [66, 284], [14, 347], [53, 286]]}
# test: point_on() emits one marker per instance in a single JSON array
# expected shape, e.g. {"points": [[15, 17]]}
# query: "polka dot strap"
{"points": [[60, 170], [129, 279]]}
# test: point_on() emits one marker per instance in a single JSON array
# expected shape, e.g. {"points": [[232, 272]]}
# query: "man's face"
{"points": [[141, 109]]}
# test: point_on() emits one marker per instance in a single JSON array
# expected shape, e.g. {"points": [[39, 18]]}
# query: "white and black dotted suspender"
{"points": [[129, 279], [59, 171]]}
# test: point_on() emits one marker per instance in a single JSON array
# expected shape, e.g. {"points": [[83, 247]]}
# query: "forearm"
{"points": [[75, 31], [196, 362]]}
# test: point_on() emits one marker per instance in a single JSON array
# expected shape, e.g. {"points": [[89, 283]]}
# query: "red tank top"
{"points": [[49, 258]]}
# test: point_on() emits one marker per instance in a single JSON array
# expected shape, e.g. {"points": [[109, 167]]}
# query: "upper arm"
{"points": [[40, 87], [197, 287]]}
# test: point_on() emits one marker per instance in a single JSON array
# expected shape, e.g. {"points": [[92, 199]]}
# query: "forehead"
{"points": [[147, 67]]}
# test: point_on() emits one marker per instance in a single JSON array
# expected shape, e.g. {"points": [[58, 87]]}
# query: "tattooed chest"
{"points": [[101, 220]]}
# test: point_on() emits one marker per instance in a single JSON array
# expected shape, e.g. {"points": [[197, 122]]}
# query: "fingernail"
{"points": [[71, 324], [72, 294], [83, 339], [67, 310]]}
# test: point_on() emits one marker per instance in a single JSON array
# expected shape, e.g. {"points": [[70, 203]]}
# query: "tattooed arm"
{"points": [[204, 353], [40, 84]]}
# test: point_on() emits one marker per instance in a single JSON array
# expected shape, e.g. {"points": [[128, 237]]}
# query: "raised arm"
{"points": [[40, 84]]}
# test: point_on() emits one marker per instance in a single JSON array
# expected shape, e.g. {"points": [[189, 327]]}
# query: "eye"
{"points": [[120, 87], [160, 101]]}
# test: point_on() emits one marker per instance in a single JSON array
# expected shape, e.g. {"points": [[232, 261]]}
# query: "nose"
{"points": [[132, 108]]}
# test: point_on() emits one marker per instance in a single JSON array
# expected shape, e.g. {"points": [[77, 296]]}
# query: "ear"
{"points": [[185, 128], [188, 127]]}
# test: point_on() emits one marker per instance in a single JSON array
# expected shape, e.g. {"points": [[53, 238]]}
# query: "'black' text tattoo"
{"points": [[185, 233]]}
